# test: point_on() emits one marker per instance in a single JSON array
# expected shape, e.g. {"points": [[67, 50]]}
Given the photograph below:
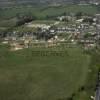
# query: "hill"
{"points": [[6, 3]]}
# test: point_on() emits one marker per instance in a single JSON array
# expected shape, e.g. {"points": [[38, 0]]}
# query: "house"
{"points": [[5, 42], [16, 46], [79, 20]]}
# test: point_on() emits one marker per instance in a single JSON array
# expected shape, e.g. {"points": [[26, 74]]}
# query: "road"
{"points": [[97, 96]]}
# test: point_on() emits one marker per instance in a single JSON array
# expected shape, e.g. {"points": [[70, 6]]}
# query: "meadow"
{"points": [[44, 11], [8, 15], [27, 75]]}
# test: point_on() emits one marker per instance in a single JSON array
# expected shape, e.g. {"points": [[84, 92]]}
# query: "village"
{"points": [[67, 30]]}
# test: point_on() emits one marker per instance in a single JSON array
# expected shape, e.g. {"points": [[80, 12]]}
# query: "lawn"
{"points": [[30, 75]]}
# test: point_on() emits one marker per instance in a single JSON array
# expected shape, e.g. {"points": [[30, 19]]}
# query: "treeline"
{"points": [[22, 19]]}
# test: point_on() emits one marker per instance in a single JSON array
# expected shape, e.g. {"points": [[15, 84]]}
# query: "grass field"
{"points": [[43, 11], [8, 15], [47, 22], [25, 75], [8, 23]]}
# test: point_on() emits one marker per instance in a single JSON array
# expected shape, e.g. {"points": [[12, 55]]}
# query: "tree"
{"points": [[87, 35], [78, 15], [89, 20], [24, 18]]}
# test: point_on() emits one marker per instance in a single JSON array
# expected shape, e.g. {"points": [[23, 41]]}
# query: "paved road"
{"points": [[97, 96]]}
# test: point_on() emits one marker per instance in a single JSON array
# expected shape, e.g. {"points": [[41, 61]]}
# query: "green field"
{"points": [[8, 15], [43, 11], [25, 75]]}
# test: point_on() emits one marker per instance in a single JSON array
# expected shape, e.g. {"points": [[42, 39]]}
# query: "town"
{"points": [[68, 30]]}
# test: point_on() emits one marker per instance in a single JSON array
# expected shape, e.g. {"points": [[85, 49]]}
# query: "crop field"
{"points": [[35, 74]]}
